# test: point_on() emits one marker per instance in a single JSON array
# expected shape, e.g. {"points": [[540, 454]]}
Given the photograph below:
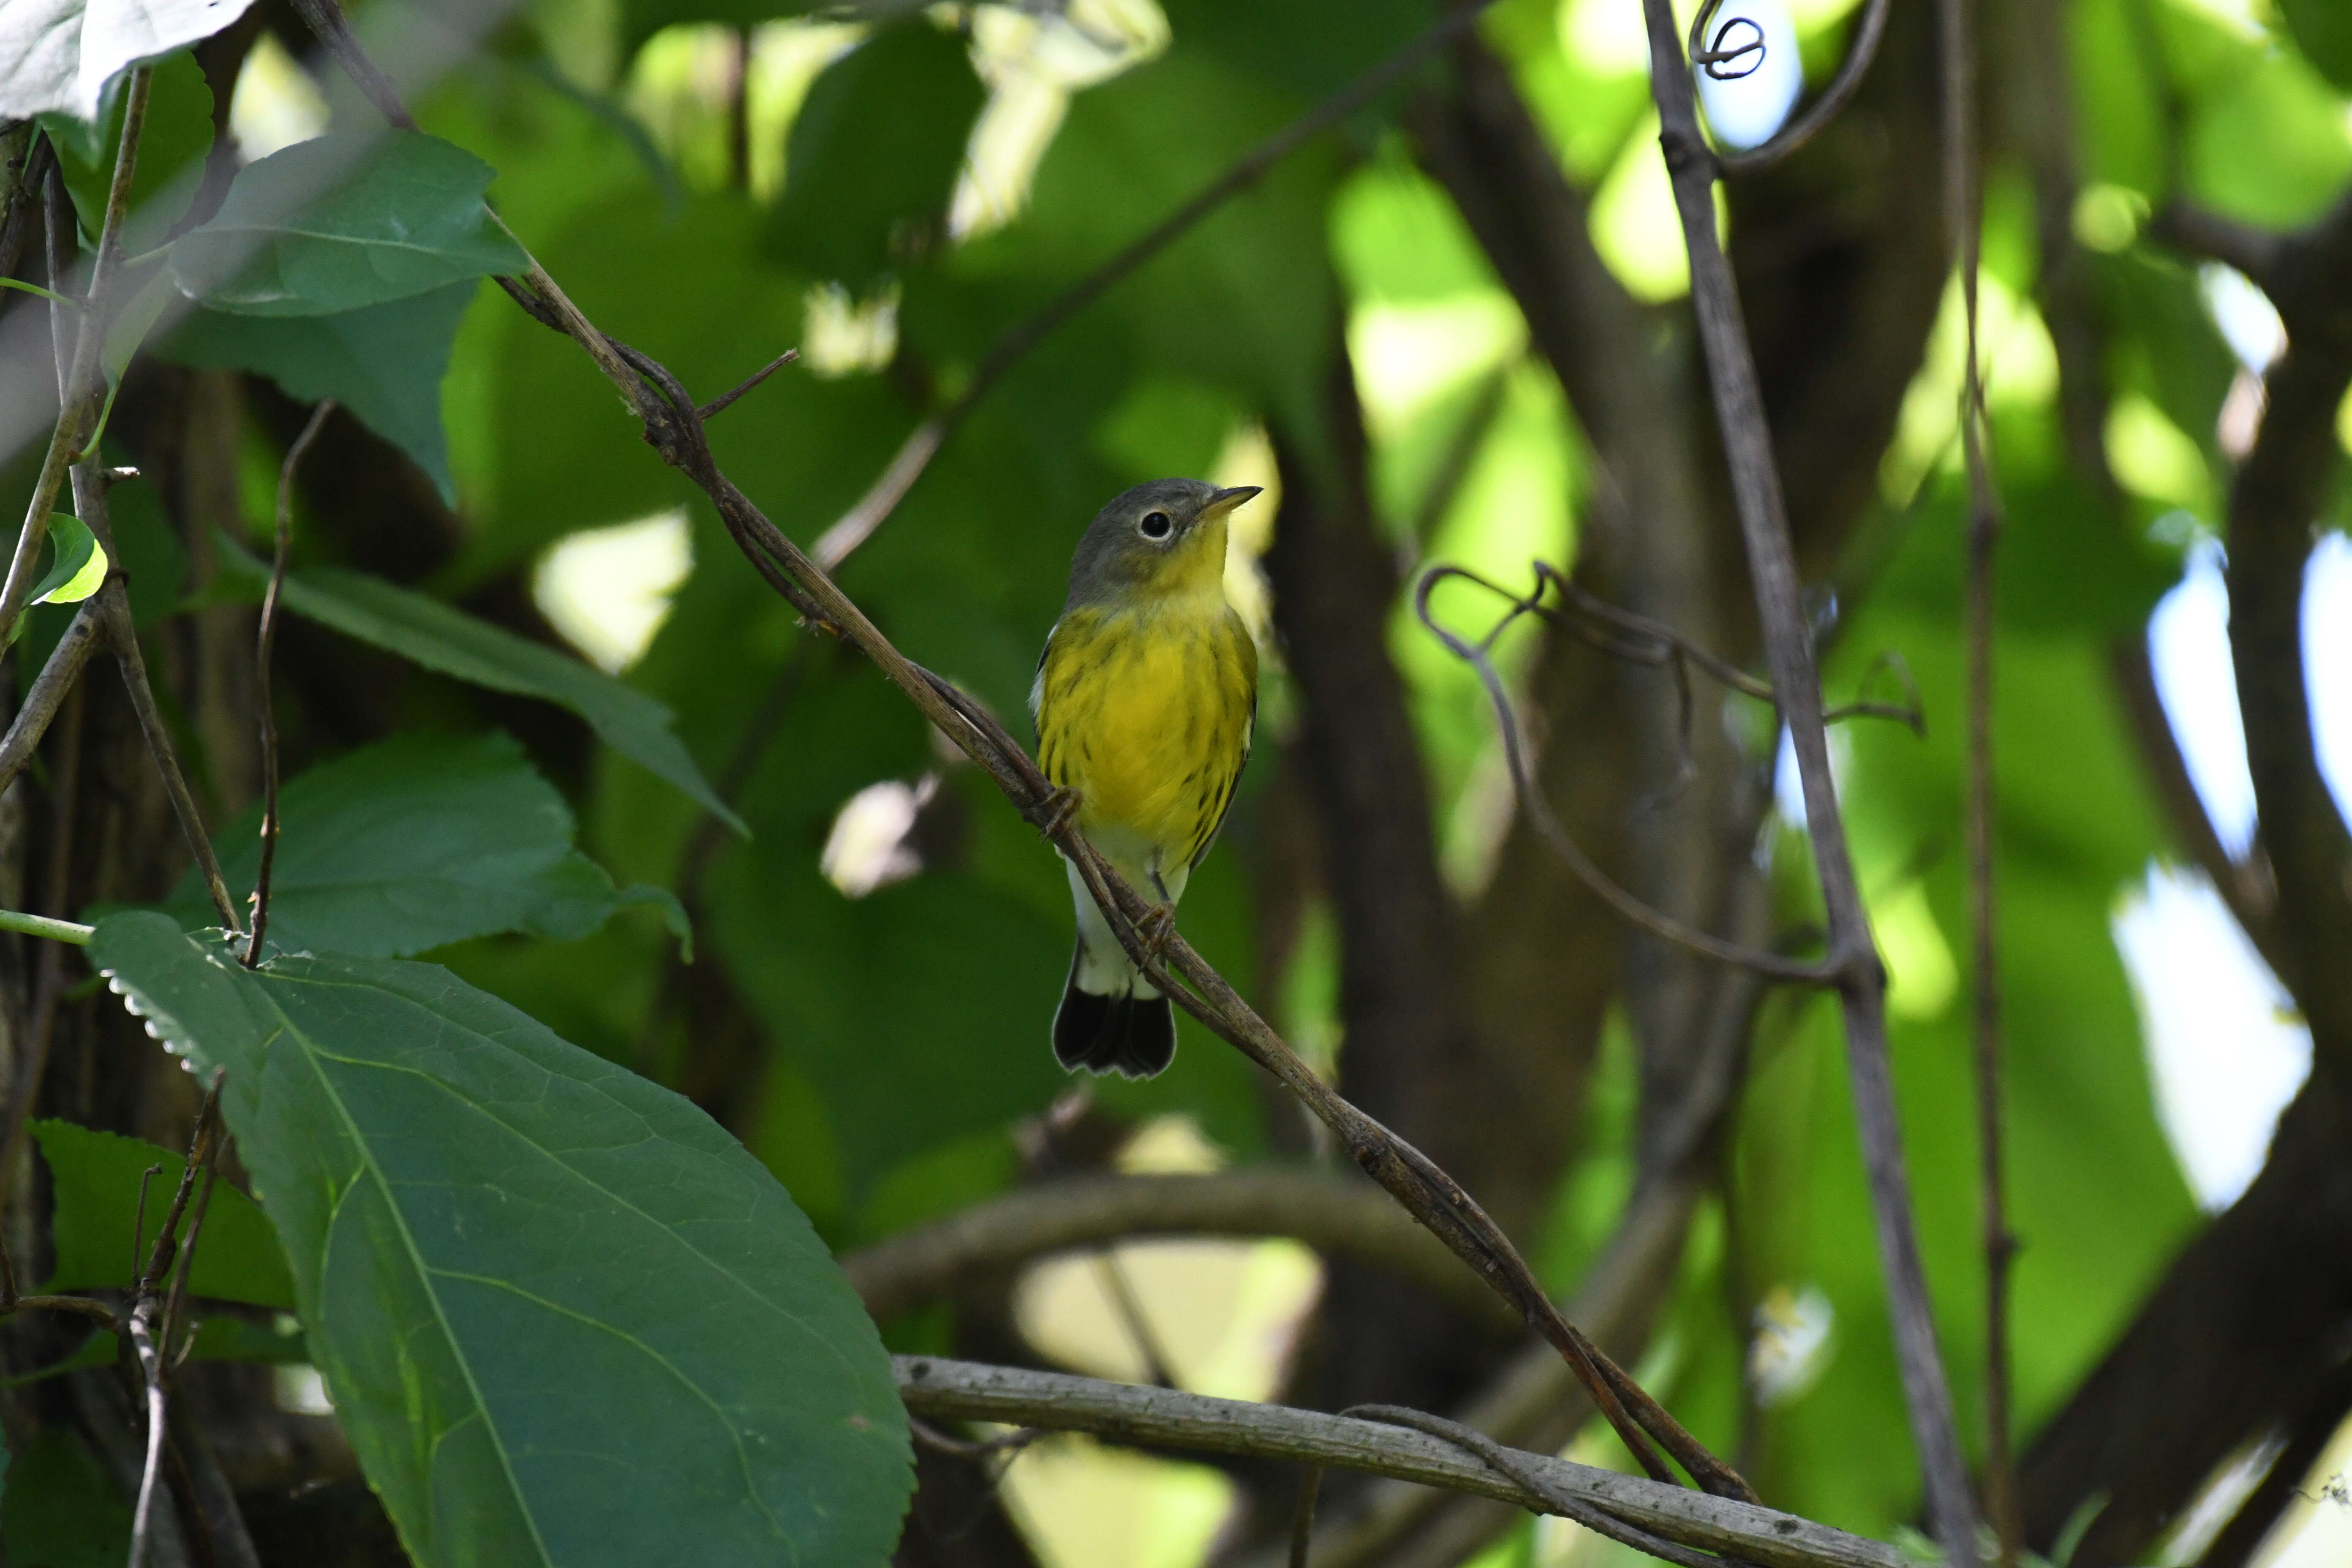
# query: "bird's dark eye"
{"points": [[1156, 525]]}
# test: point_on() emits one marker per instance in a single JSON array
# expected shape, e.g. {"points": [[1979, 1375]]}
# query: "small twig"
{"points": [[923, 443], [1796, 682], [1157, 1368], [939, 1442], [266, 642], [139, 1218], [125, 637], [1822, 111], [1302, 1516], [327, 24], [1554, 834], [147, 1312], [719, 403]]}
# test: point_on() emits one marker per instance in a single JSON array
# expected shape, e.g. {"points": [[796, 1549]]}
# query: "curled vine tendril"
{"points": [[1718, 56]]}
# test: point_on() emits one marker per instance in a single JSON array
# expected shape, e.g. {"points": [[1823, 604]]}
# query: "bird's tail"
{"points": [[1112, 1022]]}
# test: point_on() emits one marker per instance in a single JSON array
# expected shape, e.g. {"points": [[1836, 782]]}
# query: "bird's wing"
{"points": [[1231, 784]]}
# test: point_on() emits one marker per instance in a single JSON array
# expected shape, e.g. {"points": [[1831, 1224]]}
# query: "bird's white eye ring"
{"points": [[1155, 526]]}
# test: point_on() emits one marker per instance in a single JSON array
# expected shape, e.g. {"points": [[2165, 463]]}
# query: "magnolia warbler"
{"points": [[1145, 699]]}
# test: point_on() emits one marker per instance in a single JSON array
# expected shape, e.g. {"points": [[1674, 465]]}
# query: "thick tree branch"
{"points": [[2242, 1325], [2246, 886], [1160, 1418], [2274, 509], [1334, 1216]]}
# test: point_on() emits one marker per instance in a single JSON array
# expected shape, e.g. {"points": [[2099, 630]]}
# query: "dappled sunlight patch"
{"points": [[2020, 370], [1409, 357], [608, 590], [1922, 977], [276, 102], [2154, 459], [786, 60], [844, 335], [1634, 224], [1032, 61], [2225, 1051], [868, 847], [1083, 1505], [1795, 1334]]}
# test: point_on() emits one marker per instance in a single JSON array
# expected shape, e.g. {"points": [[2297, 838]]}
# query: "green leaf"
{"points": [[62, 1509], [385, 363], [429, 632], [173, 142], [413, 843], [564, 1317], [96, 1176], [2324, 28], [339, 222], [61, 54], [874, 154], [77, 567]]}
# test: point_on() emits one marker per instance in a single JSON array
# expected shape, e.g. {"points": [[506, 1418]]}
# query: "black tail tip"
{"points": [[1134, 1036]]}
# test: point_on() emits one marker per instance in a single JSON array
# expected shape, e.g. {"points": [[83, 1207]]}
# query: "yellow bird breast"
{"points": [[1147, 714]]}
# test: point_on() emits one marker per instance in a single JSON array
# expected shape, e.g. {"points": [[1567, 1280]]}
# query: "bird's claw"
{"points": [[1053, 813], [1155, 927]]}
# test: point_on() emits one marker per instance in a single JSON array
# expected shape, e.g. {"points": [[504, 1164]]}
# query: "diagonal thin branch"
{"points": [[264, 644], [1796, 680]]}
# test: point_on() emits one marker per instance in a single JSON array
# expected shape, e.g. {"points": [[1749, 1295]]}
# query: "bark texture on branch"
{"points": [[1160, 1418]]}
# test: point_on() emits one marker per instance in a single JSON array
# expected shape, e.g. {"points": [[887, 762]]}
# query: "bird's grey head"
{"points": [[1147, 535]]}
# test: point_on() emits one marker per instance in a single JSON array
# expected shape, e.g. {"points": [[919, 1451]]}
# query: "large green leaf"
{"points": [[339, 222], [62, 53], [563, 1317], [385, 363], [416, 842], [95, 1181], [874, 154], [438, 636]]}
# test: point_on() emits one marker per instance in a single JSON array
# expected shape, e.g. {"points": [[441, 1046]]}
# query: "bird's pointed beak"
{"points": [[1224, 501]]}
